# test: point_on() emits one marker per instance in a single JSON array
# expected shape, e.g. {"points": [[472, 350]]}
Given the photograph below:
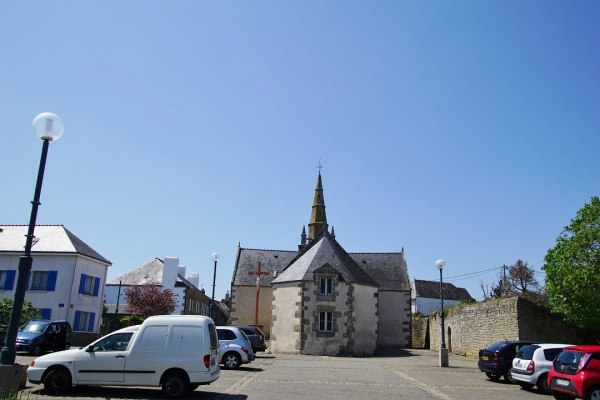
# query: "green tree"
{"points": [[573, 269], [28, 312]]}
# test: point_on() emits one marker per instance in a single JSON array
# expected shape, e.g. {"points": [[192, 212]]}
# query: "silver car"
{"points": [[531, 365], [234, 346]]}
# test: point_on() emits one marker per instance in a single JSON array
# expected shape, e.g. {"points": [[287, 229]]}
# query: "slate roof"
{"points": [[48, 239], [324, 249], [389, 270], [151, 272], [431, 290]]}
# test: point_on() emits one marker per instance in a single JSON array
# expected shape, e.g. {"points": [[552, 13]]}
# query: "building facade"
{"points": [[67, 278], [425, 296], [366, 302]]}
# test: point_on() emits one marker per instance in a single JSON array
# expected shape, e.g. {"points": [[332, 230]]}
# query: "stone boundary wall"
{"points": [[475, 326], [420, 333]]}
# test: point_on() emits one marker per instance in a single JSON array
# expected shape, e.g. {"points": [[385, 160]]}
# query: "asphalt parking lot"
{"points": [[398, 374]]}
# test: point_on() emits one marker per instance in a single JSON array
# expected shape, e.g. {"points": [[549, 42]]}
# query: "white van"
{"points": [[177, 352]]}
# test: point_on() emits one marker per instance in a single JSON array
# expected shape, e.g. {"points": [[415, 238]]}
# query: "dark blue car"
{"points": [[496, 360], [40, 335]]}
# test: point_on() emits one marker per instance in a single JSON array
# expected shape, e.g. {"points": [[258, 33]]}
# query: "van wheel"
{"points": [[176, 385], [58, 381], [232, 360]]}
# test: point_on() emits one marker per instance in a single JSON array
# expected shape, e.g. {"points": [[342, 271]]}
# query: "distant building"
{"points": [[425, 296], [67, 278], [321, 299], [169, 275]]}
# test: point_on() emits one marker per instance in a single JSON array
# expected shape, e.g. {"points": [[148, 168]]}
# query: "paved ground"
{"points": [[398, 374]]}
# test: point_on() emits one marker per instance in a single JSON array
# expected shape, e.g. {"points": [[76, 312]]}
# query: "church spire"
{"points": [[318, 218]]}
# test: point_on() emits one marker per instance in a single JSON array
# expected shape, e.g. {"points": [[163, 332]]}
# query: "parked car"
{"points": [[256, 336], [496, 360], [175, 352], [40, 335], [234, 346], [531, 365], [575, 373]]}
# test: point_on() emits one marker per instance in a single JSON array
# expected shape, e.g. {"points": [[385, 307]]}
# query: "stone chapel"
{"points": [[320, 299]]}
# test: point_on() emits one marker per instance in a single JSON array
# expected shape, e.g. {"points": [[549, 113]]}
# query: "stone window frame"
{"points": [[326, 272], [326, 319]]}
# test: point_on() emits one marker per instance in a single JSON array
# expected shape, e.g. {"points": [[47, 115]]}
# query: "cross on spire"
{"points": [[320, 167]]}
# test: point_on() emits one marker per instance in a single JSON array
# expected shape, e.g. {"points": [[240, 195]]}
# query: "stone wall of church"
{"points": [[286, 322], [361, 317], [394, 319], [243, 307], [321, 343]]}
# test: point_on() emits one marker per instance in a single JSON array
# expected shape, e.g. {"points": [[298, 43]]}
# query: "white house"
{"points": [[425, 296], [67, 278]]}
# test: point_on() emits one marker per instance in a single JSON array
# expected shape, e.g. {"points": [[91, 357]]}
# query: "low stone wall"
{"points": [[420, 333], [471, 327]]}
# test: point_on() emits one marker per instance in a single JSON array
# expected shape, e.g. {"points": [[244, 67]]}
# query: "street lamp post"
{"points": [[48, 127], [440, 264], [215, 258]]}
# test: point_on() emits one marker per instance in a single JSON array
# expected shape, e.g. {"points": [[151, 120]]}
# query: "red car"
{"points": [[575, 373]]}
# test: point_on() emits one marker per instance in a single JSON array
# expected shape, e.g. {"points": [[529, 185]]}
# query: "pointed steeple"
{"points": [[302, 239], [318, 218]]}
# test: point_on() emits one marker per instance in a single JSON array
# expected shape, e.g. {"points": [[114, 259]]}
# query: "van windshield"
{"points": [[33, 327]]}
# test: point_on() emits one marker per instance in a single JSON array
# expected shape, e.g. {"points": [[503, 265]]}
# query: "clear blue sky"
{"points": [[462, 130]]}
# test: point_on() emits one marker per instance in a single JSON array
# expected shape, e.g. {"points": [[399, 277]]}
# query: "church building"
{"points": [[321, 299]]}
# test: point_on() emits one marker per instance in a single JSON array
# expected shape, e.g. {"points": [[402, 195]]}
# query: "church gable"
{"points": [[322, 299]]}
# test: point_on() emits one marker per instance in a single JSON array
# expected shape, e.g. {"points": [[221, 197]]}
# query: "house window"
{"points": [[326, 285], [39, 280], [42, 280], [84, 321], [89, 285], [326, 321]]}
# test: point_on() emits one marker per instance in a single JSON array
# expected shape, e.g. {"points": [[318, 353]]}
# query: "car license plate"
{"points": [[485, 358], [561, 382]]}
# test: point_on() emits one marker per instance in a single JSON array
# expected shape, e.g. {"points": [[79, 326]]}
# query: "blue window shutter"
{"points": [[96, 286], [51, 284], [92, 318], [77, 320], [46, 313], [10, 279], [82, 283]]}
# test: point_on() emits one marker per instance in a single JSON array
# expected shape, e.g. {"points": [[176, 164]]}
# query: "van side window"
{"points": [[116, 342], [153, 338], [186, 338]]}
